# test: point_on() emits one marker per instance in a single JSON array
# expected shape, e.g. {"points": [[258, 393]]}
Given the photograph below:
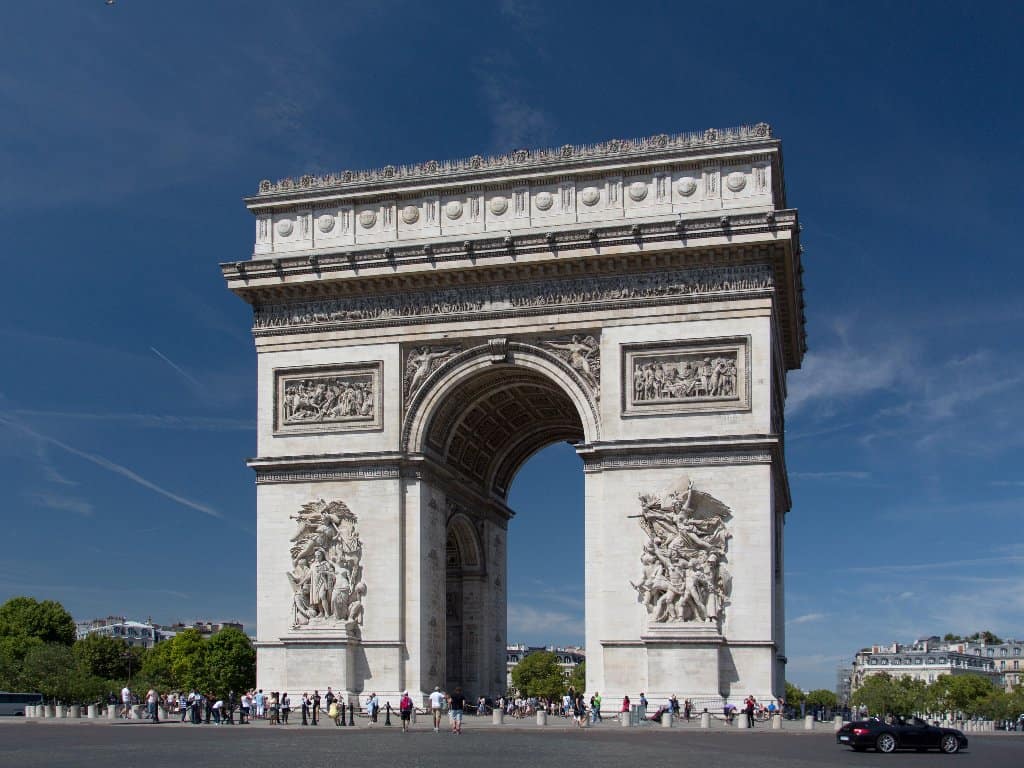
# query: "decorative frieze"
{"points": [[568, 294], [328, 399], [686, 376]]}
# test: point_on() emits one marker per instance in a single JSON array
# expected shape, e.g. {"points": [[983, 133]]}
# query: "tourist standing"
{"points": [[372, 707], [457, 705], [595, 706], [405, 711], [246, 702], [305, 708], [152, 704], [437, 700], [333, 712], [126, 702], [315, 707], [261, 704], [748, 709], [286, 707]]}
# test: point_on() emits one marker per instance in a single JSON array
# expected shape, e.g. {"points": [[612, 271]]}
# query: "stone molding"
{"points": [[519, 160]]}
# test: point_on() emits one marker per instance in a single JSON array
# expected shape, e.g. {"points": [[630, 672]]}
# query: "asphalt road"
{"points": [[82, 745]]}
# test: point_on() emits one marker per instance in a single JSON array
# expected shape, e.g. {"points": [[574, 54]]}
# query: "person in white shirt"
{"points": [[126, 702], [437, 700], [218, 706]]}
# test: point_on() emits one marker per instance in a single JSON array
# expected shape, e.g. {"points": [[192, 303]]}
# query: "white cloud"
{"points": [[529, 624], [832, 475], [61, 502], [807, 618]]}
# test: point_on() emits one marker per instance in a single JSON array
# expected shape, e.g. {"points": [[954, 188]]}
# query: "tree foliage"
{"points": [[822, 697], [578, 681], [53, 670], [539, 675], [46, 621], [230, 662], [102, 656], [794, 696]]}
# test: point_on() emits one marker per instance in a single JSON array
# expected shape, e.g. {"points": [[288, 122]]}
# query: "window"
{"points": [[917, 660], [1016, 651]]}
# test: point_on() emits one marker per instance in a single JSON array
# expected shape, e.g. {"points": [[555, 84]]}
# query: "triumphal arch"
{"points": [[422, 330]]}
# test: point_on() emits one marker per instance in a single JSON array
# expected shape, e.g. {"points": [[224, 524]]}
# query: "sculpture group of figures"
{"points": [[583, 356], [684, 575], [328, 398], [327, 573], [683, 379]]}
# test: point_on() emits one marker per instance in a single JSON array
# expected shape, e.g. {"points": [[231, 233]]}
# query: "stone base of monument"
{"points": [[497, 717], [809, 722], [542, 717]]}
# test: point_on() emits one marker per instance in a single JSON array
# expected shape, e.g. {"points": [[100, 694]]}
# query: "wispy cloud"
{"points": [[807, 618], [116, 468], [181, 371], [833, 475], [527, 623], [142, 420], [939, 565], [1008, 483], [515, 121], [61, 502]]}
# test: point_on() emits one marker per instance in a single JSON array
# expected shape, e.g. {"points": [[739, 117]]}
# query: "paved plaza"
{"points": [[521, 744]]}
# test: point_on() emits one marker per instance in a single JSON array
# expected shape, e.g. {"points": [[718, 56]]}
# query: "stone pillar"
{"points": [[705, 720], [741, 721], [112, 712], [542, 717], [60, 711], [92, 712], [837, 722], [163, 712], [776, 722], [497, 717], [808, 722], [49, 711], [666, 719], [75, 712], [624, 719]]}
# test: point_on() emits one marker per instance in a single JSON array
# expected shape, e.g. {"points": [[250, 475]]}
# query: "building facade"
{"points": [[135, 633], [569, 658], [924, 660]]}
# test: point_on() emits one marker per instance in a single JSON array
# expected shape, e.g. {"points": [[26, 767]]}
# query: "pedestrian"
{"points": [[218, 708], [437, 702], [405, 711], [333, 712], [372, 707], [305, 708], [625, 704], [456, 706], [286, 707], [126, 702], [748, 709], [152, 705], [261, 704], [595, 707], [315, 707], [643, 705], [243, 716], [687, 709]]}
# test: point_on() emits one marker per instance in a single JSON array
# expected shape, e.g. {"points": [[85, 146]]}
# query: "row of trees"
{"points": [[820, 698], [39, 653], [540, 675], [965, 696]]}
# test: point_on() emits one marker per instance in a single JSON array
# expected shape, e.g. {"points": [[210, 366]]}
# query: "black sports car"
{"points": [[901, 733]]}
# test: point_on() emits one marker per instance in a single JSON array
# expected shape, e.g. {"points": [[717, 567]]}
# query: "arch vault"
{"points": [[423, 330]]}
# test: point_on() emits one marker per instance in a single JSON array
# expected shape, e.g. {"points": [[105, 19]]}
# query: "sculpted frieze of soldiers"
{"points": [[327, 573], [684, 575]]}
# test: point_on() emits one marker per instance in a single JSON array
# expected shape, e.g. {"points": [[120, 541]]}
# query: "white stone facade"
{"points": [[423, 330]]}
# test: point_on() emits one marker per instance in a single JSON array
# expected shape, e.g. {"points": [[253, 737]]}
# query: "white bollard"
{"points": [[92, 712], [837, 722], [808, 722], [741, 721], [75, 712], [776, 722], [705, 719], [624, 719], [112, 712], [666, 719], [542, 717], [497, 717], [60, 711]]}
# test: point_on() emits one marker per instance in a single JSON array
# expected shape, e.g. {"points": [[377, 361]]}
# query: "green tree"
{"points": [[102, 656], [579, 677], [46, 620], [157, 669], [188, 660], [52, 670], [987, 637], [539, 675], [794, 696], [963, 694], [230, 662], [877, 693], [821, 697]]}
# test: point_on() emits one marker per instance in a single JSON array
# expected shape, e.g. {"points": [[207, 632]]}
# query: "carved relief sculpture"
{"points": [[583, 354], [320, 400], [684, 577], [327, 572], [420, 363], [699, 375]]}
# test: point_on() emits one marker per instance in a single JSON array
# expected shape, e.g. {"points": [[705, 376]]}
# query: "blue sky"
{"points": [[128, 135]]}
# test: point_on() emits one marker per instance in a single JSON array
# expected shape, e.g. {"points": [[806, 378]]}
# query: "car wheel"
{"points": [[886, 743], [949, 744]]}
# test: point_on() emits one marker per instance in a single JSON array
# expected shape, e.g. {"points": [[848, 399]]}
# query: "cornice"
{"points": [[477, 168]]}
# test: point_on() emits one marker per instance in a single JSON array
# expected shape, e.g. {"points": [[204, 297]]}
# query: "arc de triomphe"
{"points": [[423, 330]]}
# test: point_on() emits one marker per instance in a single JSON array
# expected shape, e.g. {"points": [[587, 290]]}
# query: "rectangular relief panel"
{"points": [[699, 376], [330, 398]]}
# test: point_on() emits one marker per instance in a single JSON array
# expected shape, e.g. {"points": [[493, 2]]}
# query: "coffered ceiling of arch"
{"points": [[489, 426]]}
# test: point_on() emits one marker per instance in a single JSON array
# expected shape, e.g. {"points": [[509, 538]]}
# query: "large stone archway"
{"points": [[423, 330]]}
